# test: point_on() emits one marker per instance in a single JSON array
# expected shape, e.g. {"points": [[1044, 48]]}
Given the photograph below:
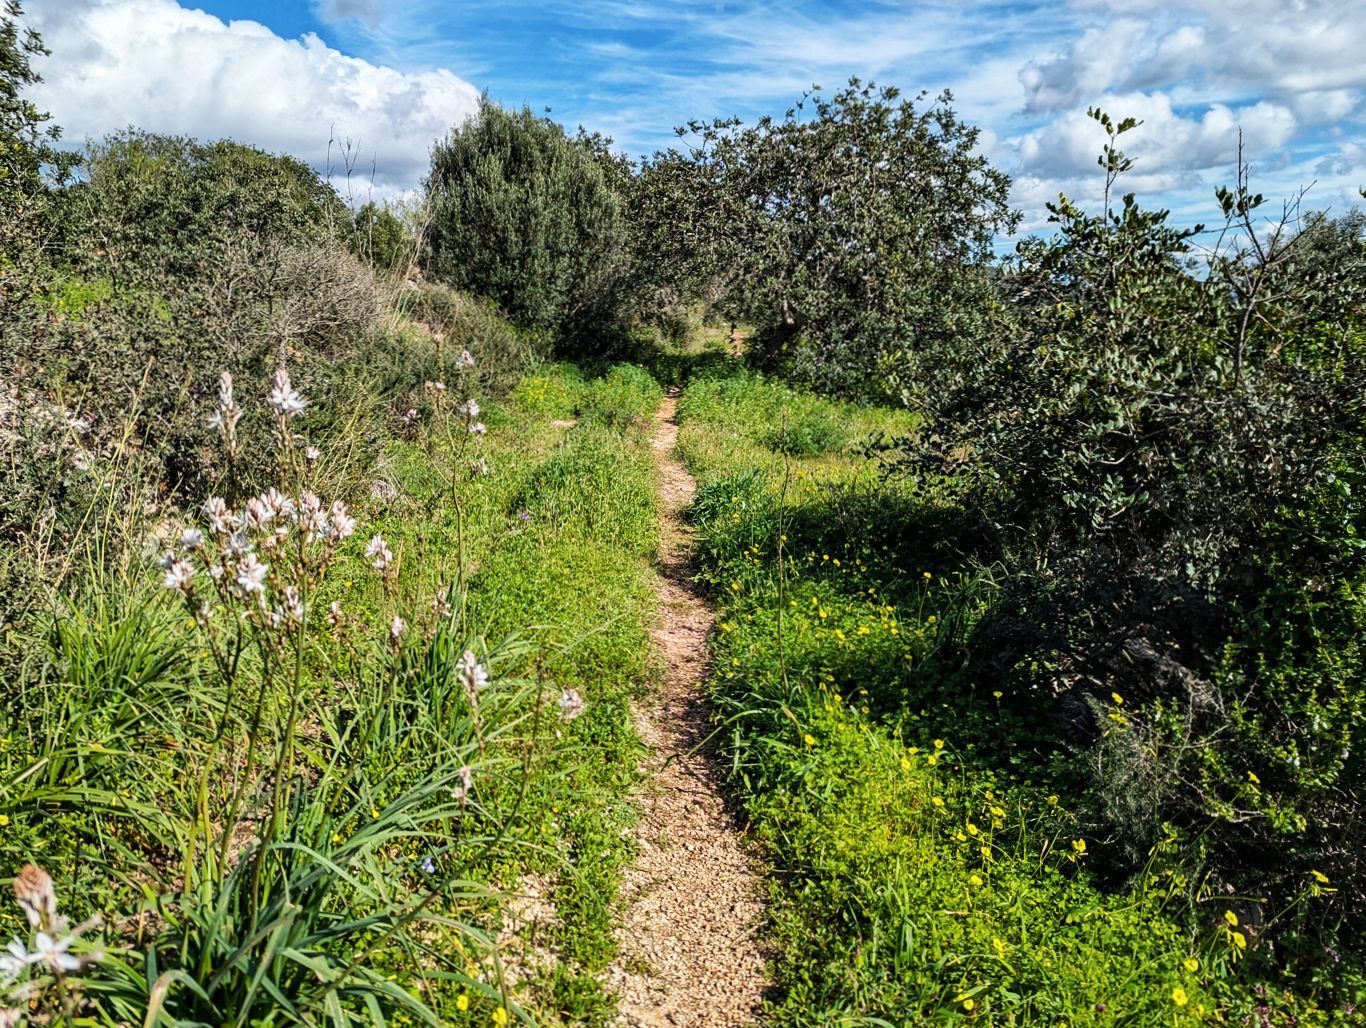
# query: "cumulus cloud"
{"points": [[1256, 47], [161, 67], [1067, 146]]}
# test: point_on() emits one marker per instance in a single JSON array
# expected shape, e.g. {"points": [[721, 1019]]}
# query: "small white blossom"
{"points": [[462, 790], [571, 704], [220, 517], [238, 544], [478, 428], [251, 575], [224, 420], [179, 575], [312, 454], [396, 629], [473, 674], [283, 398], [470, 409], [259, 513], [343, 524], [13, 961], [312, 520], [54, 952], [191, 539], [465, 360], [278, 502], [480, 467], [379, 554], [335, 615], [434, 388]]}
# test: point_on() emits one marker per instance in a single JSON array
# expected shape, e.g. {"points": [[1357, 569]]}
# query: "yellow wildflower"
{"points": [[1192, 965], [1231, 918], [1179, 996]]}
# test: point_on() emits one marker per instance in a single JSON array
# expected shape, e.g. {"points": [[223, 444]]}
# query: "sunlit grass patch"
{"points": [[934, 862]]}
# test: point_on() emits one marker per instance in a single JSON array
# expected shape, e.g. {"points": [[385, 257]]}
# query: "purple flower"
{"points": [[427, 866]]}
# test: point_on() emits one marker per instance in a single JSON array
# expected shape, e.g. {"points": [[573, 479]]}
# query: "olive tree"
{"points": [[851, 230]]}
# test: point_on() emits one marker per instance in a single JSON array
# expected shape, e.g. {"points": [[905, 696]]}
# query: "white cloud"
{"points": [[161, 67]]}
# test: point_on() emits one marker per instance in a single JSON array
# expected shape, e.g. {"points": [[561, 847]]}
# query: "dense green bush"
{"points": [[1166, 462], [527, 216], [154, 204]]}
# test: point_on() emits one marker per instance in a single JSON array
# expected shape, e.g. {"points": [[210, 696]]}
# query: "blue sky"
{"points": [[392, 76]]}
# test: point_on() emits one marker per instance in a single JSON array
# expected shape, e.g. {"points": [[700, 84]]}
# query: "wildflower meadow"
{"points": [[754, 583]]}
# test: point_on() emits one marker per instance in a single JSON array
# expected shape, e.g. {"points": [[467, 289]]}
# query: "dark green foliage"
{"points": [[381, 237], [528, 217], [168, 204], [849, 231], [1169, 463], [26, 140]]}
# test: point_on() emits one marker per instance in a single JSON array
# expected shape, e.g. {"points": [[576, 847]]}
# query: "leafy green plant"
{"points": [[525, 215]]}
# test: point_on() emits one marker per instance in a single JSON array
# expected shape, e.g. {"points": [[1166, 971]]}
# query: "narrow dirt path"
{"points": [[689, 952]]}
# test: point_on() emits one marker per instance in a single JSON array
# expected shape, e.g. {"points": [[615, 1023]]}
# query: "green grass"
{"points": [[930, 863], [376, 871]]}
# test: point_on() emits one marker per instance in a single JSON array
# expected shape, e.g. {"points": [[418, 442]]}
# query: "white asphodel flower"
{"points": [[228, 414], [259, 513], [470, 409], [379, 554], [283, 398], [55, 952], [13, 961], [478, 428], [220, 516], [191, 539], [312, 454], [312, 519], [465, 360], [461, 791], [343, 524], [473, 674], [251, 575], [571, 704], [179, 575], [396, 629]]}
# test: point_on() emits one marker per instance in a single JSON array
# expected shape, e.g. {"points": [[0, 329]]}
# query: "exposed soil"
{"points": [[689, 953]]}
